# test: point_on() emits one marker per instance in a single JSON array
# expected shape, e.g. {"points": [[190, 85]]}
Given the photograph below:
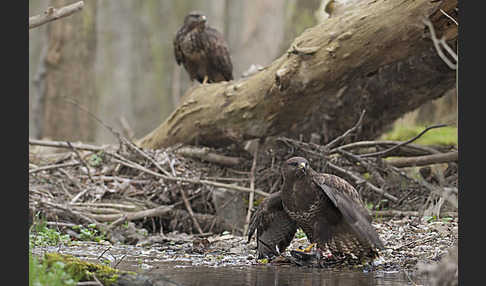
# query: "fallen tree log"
{"points": [[377, 56]]}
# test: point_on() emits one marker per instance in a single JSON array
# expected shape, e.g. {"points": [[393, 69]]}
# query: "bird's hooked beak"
{"points": [[303, 167], [204, 19]]}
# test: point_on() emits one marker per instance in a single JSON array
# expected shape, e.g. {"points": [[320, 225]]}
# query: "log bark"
{"points": [[378, 56]]}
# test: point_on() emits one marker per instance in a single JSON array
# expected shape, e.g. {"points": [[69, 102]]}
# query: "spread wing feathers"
{"points": [[274, 228], [358, 220], [218, 53]]}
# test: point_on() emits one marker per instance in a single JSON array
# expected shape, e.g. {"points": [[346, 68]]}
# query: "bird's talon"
{"points": [[309, 248]]}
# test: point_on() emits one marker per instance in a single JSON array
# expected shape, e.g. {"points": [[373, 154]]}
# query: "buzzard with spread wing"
{"points": [[275, 229], [326, 207], [202, 50]]}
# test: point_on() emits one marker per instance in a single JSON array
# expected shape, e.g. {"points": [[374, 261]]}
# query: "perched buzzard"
{"points": [[327, 208], [202, 50]]}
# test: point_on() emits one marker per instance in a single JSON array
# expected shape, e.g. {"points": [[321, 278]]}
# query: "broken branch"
{"points": [[204, 155], [49, 167], [52, 14], [389, 150], [424, 160], [189, 210], [252, 187]]}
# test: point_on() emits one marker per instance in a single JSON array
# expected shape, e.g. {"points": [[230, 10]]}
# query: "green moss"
{"points": [[82, 270], [438, 136], [41, 273]]}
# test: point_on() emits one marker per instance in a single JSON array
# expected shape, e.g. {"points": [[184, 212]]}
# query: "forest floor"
{"points": [[409, 243]]}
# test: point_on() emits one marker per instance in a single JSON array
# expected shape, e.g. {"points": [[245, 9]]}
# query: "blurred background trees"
{"points": [[115, 58]]}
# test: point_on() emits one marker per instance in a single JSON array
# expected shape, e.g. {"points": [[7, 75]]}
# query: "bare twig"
{"points": [[154, 212], [79, 195], [103, 253], [77, 215], [64, 224], [81, 160], [70, 178], [63, 188], [205, 155], [145, 155], [389, 150], [441, 43], [107, 205], [119, 261], [59, 144], [52, 14], [127, 130], [194, 181], [252, 187], [120, 138], [189, 210], [449, 16], [388, 213], [345, 134], [369, 167], [50, 167], [227, 179], [118, 222], [366, 144], [357, 179], [445, 193], [424, 160], [325, 150]]}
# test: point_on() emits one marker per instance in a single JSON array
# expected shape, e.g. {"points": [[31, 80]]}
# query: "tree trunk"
{"points": [[378, 56], [68, 66]]}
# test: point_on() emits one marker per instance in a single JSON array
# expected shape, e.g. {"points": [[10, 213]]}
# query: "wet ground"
{"points": [[168, 268], [182, 259]]}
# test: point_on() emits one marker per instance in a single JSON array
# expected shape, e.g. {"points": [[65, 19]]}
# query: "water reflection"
{"points": [[273, 275]]}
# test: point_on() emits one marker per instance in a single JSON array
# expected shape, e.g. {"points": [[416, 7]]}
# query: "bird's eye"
{"points": [[293, 164]]}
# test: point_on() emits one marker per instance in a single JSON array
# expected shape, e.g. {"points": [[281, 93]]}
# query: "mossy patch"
{"points": [[82, 270], [40, 273]]}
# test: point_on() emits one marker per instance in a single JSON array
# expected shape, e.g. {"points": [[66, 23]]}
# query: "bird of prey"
{"points": [[202, 50], [326, 207], [274, 228]]}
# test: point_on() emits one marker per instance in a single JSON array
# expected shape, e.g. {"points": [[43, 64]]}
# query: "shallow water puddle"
{"points": [[172, 265], [180, 274]]}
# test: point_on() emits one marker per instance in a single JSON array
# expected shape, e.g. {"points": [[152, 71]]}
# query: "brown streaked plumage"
{"points": [[275, 229], [202, 50], [327, 208]]}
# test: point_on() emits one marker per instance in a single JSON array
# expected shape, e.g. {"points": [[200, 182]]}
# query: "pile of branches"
{"points": [[161, 189], [393, 177], [171, 189]]}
